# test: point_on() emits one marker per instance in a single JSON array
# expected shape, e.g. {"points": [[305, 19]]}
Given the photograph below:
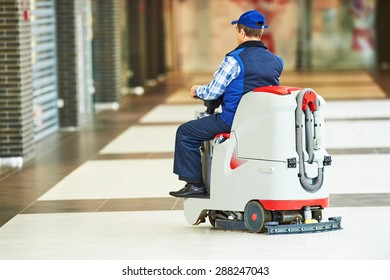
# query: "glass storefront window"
{"points": [[342, 35]]}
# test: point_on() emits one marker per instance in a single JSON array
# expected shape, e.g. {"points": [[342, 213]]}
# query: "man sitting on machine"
{"points": [[247, 67]]}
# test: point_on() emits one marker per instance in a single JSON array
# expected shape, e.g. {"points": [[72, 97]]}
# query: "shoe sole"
{"points": [[192, 196]]}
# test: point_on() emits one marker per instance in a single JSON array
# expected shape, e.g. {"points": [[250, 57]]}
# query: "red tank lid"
{"points": [[280, 90]]}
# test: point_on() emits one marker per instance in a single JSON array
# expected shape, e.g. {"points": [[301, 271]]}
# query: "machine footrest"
{"points": [[230, 224], [334, 223]]}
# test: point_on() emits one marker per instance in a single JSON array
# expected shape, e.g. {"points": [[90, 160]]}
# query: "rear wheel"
{"points": [[254, 216]]}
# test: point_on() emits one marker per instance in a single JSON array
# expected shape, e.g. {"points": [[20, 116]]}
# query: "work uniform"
{"points": [[247, 67]]}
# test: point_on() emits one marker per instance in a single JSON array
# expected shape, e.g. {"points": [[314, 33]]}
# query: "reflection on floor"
{"points": [[102, 192]]}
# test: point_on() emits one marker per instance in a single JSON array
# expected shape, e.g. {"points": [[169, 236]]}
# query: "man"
{"points": [[247, 67]]}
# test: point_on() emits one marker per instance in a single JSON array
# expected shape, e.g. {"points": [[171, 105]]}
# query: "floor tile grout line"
{"points": [[176, 203], [28, 206], [101, 205]]}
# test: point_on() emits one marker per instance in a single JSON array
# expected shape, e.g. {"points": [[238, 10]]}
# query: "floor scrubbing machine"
{"points": [[267, 174]]}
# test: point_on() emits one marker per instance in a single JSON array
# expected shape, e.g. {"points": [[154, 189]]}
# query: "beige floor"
{"points": [[115, 205]]}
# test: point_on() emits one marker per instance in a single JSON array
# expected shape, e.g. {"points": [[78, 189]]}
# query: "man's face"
{"points": [[240, 35]]}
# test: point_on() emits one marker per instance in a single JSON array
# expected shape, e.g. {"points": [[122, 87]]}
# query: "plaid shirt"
{"points": [[227, 71]]}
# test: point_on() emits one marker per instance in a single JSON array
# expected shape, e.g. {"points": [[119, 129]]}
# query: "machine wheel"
{"points": [[254, 216]]}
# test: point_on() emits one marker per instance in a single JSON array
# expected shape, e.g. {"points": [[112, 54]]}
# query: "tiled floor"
{"points": [[102, 192]]}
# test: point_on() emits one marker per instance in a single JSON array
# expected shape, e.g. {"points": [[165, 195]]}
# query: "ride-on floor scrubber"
{"points": [[267, 174]]}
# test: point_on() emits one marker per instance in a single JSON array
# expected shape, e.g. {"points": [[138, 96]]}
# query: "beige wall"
{"points": [[204, 34]]}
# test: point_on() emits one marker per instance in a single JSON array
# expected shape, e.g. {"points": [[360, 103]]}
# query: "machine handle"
{"points": [[211, 105]]}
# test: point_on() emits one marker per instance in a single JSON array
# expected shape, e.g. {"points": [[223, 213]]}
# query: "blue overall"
{"points": [[259, 67]]}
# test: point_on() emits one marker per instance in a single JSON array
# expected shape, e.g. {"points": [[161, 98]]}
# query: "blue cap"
{"points": [[252, 19]]}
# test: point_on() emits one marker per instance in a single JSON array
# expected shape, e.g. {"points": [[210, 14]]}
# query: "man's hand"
{"points": [[192, 91]]}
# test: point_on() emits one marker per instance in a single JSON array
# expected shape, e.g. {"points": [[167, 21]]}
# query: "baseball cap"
{"points": [[252, 19]]}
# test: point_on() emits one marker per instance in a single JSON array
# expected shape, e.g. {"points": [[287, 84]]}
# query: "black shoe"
{"points": [[190, 190]]}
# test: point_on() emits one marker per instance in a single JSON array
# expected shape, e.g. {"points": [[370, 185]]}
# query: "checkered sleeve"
{"points": [[227, 71]]}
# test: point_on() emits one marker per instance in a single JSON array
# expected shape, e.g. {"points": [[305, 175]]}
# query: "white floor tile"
{"points": [[172, 113], [160, 138], [357, 134], [117, 179], [357, 109], [143, 139], [359, 174], [144, 178], [166, 235], [344, 109]]}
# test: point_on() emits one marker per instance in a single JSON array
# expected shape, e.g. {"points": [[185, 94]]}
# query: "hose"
{"points": [[309, 135], [309, 184]]}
